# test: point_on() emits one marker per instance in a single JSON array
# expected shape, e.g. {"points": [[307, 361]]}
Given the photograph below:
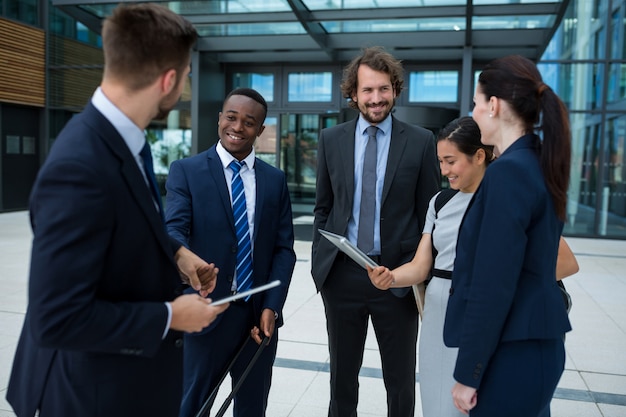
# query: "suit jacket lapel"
{"points": [[261, 184], [131, 173], [396, 149], [217, 173], [346, 155]]}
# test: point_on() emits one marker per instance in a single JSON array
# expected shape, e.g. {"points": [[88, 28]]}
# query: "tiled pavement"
{"points": [[593, 385]]}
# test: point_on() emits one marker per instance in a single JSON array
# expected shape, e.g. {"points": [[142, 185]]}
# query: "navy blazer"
{"points": [[199, 215], [504, 280], [411, 178], [101, 269]]}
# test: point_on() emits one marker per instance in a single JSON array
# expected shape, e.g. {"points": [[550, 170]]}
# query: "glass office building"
{"points": [[294, 52]]}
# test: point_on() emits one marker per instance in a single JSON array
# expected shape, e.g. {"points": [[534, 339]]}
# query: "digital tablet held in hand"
{"points": [[348, 248], [246, 293]]}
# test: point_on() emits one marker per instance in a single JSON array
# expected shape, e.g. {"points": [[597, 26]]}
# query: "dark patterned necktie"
{"points": [[365, 239], [148, 167]]}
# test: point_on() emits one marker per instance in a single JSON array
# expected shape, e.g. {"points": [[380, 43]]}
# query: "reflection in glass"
{"points": [[396, 25], [265, 145], [298, 154], [363, 4], [512, 22], [433, 86], [263, 83], [247, 29], [310, 86], [576, 84]]}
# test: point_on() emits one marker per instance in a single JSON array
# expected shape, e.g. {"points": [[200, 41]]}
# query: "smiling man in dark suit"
{"points": [[102, 334], [233, 209], [375, 176]]}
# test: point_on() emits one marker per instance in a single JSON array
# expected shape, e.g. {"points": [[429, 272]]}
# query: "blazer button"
{"points": [[451, 290], [233, 249], [178, 342]]}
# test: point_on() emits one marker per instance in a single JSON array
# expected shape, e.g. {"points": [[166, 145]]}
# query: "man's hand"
{"points": [[465, 398], [268, 324], [195, 271], [192, 313]]}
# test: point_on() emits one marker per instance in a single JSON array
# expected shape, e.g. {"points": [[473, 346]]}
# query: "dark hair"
{"points": [[251, 93], [377, 59], [517, 81], [465, 134], [141, 41]]}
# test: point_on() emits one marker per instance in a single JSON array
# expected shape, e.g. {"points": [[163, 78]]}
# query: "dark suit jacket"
{"points": [[101, 270], [199, 215], [504, 284], [411, 179]]}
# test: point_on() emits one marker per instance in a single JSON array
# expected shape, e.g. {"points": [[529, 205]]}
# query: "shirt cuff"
{"points": [[169, 320]]}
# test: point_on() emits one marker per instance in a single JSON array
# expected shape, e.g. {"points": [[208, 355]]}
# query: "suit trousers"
{"points": [[521, 379], [207, 356], [350, 301]]}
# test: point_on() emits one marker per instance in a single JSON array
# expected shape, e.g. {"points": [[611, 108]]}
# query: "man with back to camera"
{"points": [[375, 177], [102, 334], [233, 209]]}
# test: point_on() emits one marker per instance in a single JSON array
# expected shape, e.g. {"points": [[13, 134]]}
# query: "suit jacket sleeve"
{"points": [[507, 292], [178, 209], [283, 254], [73, 303]]}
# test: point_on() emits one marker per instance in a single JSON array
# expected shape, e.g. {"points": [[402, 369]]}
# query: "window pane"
{"points": [[310, 86], [263, 83], [265, 145], [23, 10], [433, 86], [590, 170], [578, 85]]}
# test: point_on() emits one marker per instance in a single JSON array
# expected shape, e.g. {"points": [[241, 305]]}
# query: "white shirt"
{"points": [[248, 177], [135, 139]]}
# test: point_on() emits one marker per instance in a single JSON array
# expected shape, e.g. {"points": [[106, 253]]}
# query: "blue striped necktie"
{"points": [[244, 247]]}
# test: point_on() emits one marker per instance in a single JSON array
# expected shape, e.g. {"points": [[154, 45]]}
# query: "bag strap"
{"points": [[441, 200], [444, 196]]}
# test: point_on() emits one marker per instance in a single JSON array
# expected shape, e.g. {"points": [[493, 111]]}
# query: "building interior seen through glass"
{"points": [[293, 52]]}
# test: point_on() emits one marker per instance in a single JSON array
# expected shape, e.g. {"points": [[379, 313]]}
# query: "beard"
{"points": [[375, 118], [167, 103]]}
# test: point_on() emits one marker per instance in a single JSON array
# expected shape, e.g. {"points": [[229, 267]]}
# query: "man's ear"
{"points": [[168, 81]]}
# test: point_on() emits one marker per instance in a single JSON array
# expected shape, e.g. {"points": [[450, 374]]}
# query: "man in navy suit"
{"points": [[200, 215], [102, 333], [407, 176]]}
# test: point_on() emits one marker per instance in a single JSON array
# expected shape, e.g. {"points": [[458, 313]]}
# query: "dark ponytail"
{"points": [[516, 80]]}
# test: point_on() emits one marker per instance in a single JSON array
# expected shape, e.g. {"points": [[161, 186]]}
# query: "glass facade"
{"points": [[585, 63]]}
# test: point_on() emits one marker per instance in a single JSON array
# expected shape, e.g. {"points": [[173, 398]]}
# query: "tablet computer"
{"points": [[246, 293], [348, 248]]}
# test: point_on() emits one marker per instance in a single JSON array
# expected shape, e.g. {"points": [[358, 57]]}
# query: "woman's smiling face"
{"points": [[464, 172]]}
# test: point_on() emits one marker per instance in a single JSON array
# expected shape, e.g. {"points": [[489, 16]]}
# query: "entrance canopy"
{"points": [[322, 31]]}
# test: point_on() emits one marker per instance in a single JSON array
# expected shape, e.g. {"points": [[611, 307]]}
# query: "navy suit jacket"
{"points": [[504, 282], [199, 215], [101, 269], [412, 177]]}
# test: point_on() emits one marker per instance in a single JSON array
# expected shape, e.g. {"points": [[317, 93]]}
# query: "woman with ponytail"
{"points": [[505, 312]]}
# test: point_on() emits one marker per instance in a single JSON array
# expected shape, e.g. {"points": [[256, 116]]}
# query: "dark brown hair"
{"points": [[465, 134], [141, 41], [517, 81], [377, 59]]}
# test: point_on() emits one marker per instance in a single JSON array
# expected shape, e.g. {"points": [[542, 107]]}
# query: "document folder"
{"points": [[348, 248]]}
